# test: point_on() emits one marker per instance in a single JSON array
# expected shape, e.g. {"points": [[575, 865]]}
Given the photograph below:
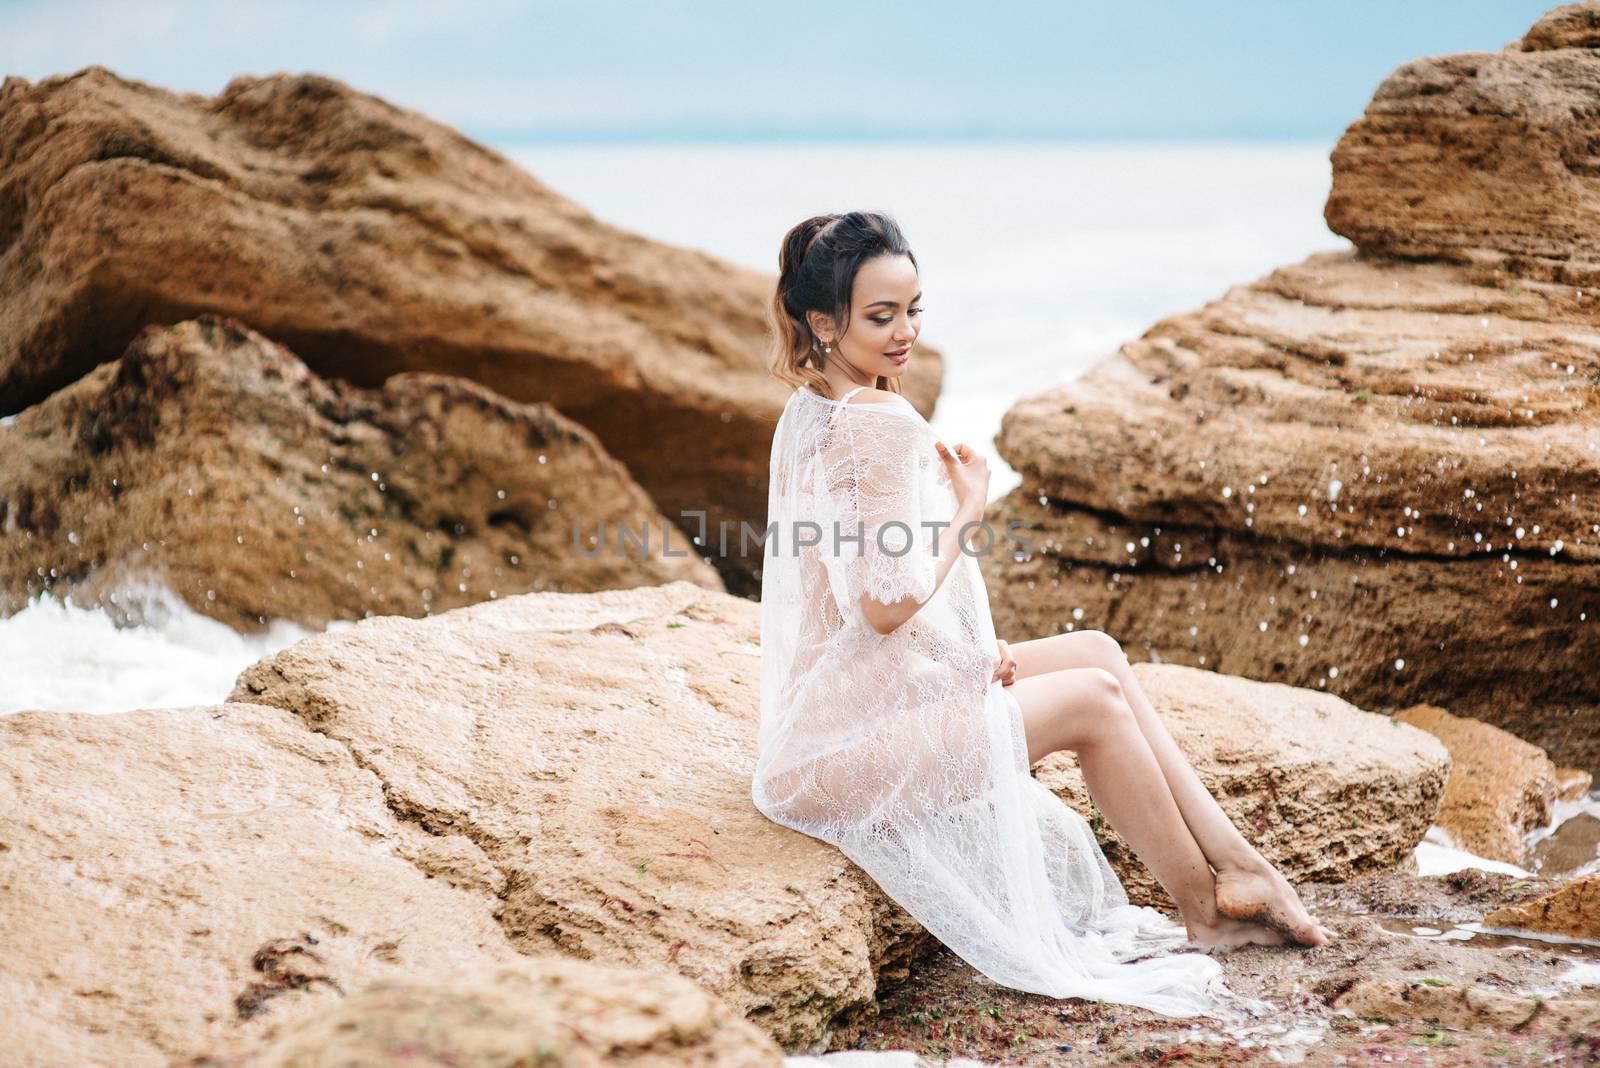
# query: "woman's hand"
{"points": [[1006, 672], [969, 474]]}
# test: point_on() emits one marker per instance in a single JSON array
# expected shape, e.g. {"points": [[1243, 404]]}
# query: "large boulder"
{"points": [[373, 240], [1323, 790], [211, 458], [1500, 787], [542, 1011], [598, 750], [1486, 158], [223, 884], [170, 878], [1358, 473]]}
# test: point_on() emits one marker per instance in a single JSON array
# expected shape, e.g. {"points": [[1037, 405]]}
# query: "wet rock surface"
{"points": [[1381, 992]]}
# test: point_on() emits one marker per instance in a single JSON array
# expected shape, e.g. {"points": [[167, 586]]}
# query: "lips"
{"points": [[899, 352]]}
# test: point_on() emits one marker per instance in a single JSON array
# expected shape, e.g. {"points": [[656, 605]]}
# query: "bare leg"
{"points": [[1085, 710], [1247, 885]]}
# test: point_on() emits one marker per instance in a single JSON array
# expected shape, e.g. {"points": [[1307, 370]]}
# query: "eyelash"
{"points": [[885, 322]]}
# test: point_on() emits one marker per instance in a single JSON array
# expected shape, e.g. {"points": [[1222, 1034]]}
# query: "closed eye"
{"points": [[890, 319]]}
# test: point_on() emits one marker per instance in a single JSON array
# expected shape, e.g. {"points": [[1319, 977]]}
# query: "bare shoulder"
{"points": [[880, 396]]}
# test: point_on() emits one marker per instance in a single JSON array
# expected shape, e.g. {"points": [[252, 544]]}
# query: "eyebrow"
{"points": [[895, 303]]}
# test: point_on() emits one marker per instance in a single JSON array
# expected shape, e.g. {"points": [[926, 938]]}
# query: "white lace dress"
{"points": [[899, 750]]}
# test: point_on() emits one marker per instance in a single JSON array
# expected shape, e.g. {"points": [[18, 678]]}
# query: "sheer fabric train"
{"points": [[900, 751]]}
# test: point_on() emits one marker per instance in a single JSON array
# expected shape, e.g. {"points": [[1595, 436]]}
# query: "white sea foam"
{"points": [[145, 649], [1438, 854]]}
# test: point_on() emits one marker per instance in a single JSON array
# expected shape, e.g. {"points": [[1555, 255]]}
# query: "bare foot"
{"points": [[1262, 895], [1225, 932]]}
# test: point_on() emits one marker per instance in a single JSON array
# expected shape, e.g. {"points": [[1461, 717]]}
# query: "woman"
{"points": [[897, 727]]}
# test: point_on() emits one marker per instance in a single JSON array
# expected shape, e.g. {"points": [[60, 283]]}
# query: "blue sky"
{"points": [[820, 69]]}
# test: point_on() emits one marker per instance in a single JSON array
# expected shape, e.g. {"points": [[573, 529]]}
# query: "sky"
{"points": [[739, 70]]}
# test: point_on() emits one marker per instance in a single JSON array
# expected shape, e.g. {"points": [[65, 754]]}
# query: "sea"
{"points": [[1038, 259]]}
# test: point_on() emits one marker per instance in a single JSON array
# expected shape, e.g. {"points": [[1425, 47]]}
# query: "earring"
{"points": [[828, 347]]}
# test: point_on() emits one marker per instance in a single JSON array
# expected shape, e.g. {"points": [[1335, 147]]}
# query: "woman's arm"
{"points": [[884, 618]]}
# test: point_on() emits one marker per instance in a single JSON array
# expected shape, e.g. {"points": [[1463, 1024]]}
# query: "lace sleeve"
{"points": [[876, 488]]}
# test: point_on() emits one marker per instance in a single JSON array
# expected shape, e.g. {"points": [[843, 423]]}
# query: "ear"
{"points": [[821, 325]]}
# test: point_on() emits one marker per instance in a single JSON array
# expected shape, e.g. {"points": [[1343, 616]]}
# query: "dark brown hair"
{"points": [[817, 265]]}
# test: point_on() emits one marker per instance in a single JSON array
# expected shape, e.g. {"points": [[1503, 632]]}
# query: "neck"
{"points": [[840, 382]]}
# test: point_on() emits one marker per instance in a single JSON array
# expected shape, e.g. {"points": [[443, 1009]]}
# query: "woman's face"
{"points": [[885, 318]]}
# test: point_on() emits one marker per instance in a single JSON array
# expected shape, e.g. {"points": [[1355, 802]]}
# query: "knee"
{"points": [[1108, 702], [1106, 650]]}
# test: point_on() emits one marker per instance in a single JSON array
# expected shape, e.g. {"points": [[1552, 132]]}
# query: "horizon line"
{"points": [[727, 136]]}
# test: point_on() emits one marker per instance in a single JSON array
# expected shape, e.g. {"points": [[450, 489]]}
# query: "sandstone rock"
{"points": [[1572, 910], [545, 1011], [1500, 788], [1322, 789], [598, 749], [1567, 26], [172, 877], [372, 240], [1573, 784], [212, 458], [1362, 472], [1486, 158], [1464, 1007], [1355, 475]]}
